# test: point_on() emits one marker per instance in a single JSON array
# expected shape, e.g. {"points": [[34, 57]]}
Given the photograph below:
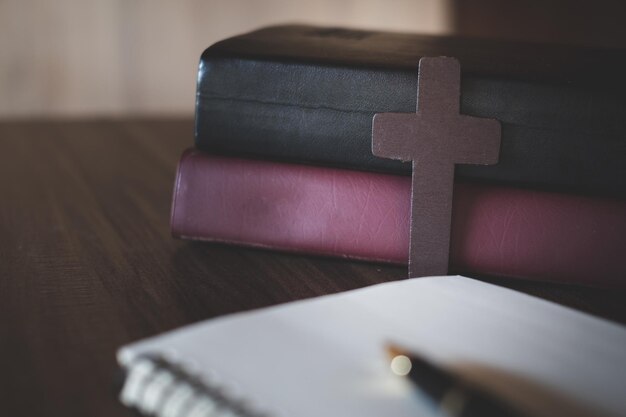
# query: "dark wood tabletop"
{"points": [[87, 263]]}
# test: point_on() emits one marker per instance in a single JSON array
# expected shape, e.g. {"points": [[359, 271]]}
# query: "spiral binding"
{"points": [[156, 387]]}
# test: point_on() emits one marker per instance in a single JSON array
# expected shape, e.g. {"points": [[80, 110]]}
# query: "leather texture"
{"points": [[308, 94], [496, 230]]}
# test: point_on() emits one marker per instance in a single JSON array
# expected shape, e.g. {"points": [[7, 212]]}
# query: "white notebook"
{"points": [[325, 356]]}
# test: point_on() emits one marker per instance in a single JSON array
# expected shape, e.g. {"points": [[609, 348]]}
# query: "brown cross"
{"points": [[435, 138]]}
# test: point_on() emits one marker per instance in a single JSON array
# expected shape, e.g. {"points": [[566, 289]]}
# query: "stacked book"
{"points": [[283, 159]]}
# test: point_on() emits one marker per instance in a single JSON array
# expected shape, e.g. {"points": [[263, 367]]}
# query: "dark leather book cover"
{"points": [[308, 94], [496, 230]]}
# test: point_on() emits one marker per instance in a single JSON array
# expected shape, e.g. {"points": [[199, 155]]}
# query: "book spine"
{"points": [[496, 230], [310, 112]]}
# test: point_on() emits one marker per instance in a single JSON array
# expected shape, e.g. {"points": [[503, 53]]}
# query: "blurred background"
{"points": [[85, 58]]}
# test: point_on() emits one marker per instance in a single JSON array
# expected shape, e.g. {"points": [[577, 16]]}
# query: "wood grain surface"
{"points": [[87, 263]]}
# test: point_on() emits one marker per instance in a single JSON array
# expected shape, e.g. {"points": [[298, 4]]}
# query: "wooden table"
{"points": [[87, 263]]}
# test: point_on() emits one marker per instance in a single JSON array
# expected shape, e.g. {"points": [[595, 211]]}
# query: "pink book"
{"points": [[496, 230]]}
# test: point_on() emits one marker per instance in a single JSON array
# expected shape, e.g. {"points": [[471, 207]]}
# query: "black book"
{"points": [[308, 94]]}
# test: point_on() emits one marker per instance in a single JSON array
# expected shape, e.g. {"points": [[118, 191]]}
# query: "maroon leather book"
{"points": [[496, 230]]}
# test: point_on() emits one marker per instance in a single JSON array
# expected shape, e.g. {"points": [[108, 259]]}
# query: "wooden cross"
{"points": [[435, 138]]}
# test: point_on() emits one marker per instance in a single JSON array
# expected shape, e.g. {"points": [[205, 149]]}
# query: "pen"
{"points": [[454, 396]]}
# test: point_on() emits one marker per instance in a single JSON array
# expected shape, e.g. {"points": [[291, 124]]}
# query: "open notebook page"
{"points": [[325, 356]]}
